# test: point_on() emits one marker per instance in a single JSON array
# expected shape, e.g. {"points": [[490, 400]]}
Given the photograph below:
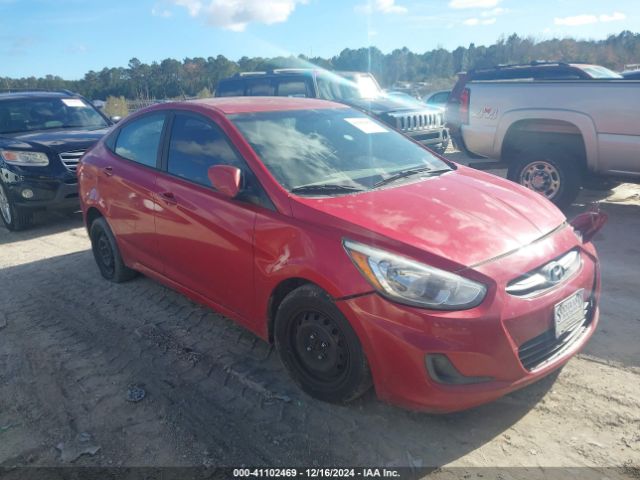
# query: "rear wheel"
{"points": [[555, 177], [107, 254], [13, 217], [319, 348]]}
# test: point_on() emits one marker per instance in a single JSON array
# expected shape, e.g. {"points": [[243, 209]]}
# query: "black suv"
{"points": [[42, 137], [360, 90]]}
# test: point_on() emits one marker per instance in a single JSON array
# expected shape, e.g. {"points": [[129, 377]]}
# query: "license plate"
{"points": [[569, 313]]}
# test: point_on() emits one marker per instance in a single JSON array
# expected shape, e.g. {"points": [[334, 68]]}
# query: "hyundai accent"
{"points": [[364, 257]]}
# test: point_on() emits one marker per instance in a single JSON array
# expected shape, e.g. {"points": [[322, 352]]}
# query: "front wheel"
{"points": [[13, 217], [557, 179], [319, 348], [442, 147]]}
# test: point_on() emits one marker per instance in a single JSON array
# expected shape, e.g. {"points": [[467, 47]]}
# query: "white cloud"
{"points": [[382, 6], [78, 48], [614, 17], [576, 20], [472, 22], [493, 12], [237, 14], [158, 11], [460, 4], [588, 19]]}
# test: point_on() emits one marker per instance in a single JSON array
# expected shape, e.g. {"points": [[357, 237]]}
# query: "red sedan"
{"points": [[366, 258]]}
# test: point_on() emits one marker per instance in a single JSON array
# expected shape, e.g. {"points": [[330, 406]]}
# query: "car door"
{"points": [[127, 185], [205, 238]]}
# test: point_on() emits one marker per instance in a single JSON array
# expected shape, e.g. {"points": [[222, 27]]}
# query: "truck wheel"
{"points": [[13, 217], [557, 178], [319, 348], [106, 253]]}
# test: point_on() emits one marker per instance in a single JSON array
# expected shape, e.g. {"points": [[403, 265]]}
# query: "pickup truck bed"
{"points": [[550, 134]]}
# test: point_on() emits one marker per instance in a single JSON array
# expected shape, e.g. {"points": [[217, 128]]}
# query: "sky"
{"points": [[70, 37]]}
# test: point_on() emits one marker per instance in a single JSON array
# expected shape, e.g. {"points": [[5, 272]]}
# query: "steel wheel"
{"points": [[542, 177], [104, 254], [5, 207], [320, 347]]}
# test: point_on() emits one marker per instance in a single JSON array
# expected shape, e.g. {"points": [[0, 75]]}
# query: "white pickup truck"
{"points": [[552, 128]]}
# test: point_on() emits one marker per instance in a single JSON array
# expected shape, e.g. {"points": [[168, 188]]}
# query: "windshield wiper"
{"points": [[326, 188], [407, 173]]}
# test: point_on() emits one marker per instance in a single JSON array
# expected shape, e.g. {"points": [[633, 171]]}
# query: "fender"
{"points": [[581, 121]]}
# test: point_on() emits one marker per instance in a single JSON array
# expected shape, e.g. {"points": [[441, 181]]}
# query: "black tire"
{"points": [[319, 348], [106, 253], [442, 147], [557, 177], [13, 217]]}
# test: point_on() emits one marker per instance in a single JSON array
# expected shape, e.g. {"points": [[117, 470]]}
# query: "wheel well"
{"points": [[92, 215], [283, 289], [541, 136]]}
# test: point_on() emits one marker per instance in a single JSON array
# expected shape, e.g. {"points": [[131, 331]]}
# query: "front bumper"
{"points": [[429, 137], [55, 191], [483, 342]]}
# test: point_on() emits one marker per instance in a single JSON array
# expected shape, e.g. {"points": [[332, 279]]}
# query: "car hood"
{"points": [[464, 216], [378, 106], [58, 140]]}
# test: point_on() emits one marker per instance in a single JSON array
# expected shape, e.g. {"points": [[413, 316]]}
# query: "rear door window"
{"points": [[139, 140], [230, 89], [293, 87], [260, 87]]}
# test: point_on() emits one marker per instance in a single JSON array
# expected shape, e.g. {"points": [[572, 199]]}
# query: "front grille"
{"points": [[71, 159], [545, 277], [413, 122], [545, 348]]}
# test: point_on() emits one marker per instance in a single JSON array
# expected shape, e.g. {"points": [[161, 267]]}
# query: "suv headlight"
{"points": [[25, 158], [413, 283]]}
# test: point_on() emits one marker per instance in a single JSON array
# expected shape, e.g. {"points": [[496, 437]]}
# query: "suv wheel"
{"points": [[442, 147], [555, 177], [13, 217], [319, 348], [106, 253]]}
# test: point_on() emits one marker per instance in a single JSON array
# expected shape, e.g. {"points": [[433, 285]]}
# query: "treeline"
{"points": [[172, 78]]}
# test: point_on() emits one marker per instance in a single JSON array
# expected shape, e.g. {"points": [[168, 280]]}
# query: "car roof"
{"points": [[16, 94], [233, 105]]}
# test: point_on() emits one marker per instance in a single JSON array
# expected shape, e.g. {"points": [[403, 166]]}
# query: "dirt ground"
{"points": [[74, 348]]}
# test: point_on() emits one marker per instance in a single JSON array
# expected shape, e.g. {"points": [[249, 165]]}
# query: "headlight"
{"points": [[413, 283], [25, 159]]}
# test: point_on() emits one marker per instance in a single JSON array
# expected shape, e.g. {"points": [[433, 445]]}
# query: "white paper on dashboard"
{"points": [[366, 125], [73, 102]]}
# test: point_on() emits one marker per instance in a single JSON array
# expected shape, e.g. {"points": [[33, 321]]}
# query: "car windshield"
{"points": [[355, 87], [336, 150], [596, 71], [27, 114]]}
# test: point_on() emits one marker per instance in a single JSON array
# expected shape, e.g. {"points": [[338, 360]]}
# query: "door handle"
{"points": [[169, 198], [108, 171]]}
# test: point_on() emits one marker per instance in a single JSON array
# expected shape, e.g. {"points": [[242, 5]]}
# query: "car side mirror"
{"points": [[225, 179], [116, 118]]}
